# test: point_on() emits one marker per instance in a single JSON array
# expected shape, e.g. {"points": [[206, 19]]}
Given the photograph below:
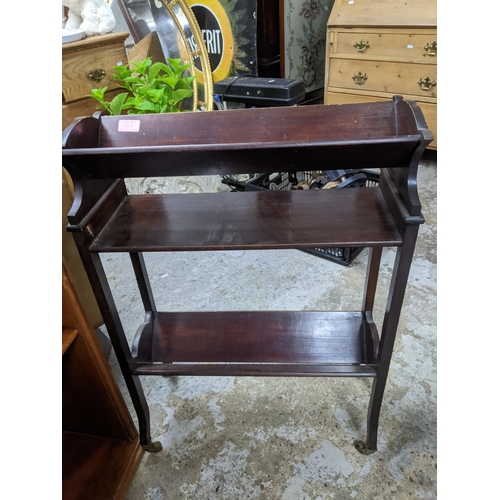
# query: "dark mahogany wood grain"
{"points": [[245, 141], [259, 220], [404, 179], [259, 337], [216, 159], [261, 127], [257, 370]]}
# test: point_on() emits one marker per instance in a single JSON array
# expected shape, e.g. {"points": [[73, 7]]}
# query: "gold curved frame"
{"points": [[205, 103]]}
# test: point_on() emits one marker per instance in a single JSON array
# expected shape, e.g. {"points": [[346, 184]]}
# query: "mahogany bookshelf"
{"points": [[100, 151]]}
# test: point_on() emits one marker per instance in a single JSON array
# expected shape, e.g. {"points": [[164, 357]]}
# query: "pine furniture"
{"points": [[100, 151], [89, 64], [379, 48]]}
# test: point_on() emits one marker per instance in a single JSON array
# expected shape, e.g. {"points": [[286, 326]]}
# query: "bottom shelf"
{"points": [[97, 467], [264, 343]]}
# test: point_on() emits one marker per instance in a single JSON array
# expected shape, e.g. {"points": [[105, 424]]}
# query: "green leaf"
{"points": [[145, 106], [171, 81], [155, 95], [154, 70], [178, 95], [133, 79], [185, 83], [116, 105], [178, 66], [142, 66], [122, 72], [98, 93]]}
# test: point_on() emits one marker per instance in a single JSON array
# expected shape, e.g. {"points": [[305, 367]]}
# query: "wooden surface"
{"points": [[254, 220], [256, 370], [101, 448], [257, 336], [390, 77], [97, 467], [287, 126], [397, 32], [399, 45], [68, 335], [421, 13], [79, 58], [72, 258]]}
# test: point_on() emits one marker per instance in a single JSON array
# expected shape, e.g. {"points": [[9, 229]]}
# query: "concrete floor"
{"points": [[288, 438]]}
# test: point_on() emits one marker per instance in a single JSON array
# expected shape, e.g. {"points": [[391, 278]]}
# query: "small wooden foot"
{"points": [[153, 447], [362, 448]]}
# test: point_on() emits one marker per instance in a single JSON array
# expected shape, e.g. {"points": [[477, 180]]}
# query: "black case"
{"points": [[255, 91]]}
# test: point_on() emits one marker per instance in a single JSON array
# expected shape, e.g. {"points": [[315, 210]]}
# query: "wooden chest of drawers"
{"points": [[86, 65], [377, 49]]}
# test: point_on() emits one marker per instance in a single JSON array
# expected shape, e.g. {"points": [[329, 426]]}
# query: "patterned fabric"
{"points": [[305, 35]]}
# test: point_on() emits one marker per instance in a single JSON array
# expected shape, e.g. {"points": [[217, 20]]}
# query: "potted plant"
{"points": [[151, 88]]}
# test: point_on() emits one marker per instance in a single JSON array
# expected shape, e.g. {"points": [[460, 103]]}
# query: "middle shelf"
{"points": [[195, 342], [250, 220]]}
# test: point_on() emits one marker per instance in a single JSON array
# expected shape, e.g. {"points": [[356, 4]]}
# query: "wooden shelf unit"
{"points": [[99, 152]]}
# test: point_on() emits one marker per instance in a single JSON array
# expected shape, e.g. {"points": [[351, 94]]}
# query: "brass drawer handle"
{"points": [[431, 49], [362, 46], [427, 83], [96, 74], [360, 78]]}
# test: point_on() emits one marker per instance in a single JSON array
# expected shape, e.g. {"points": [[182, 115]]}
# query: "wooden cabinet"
{"points": [[89, 64], [100, 444], [381, 48], [100, 152]]}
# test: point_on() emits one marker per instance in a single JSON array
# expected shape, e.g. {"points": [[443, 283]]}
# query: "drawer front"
{"points": [[377, 76], [341, 98], [429, 110], [401, 46], [77, 67]]}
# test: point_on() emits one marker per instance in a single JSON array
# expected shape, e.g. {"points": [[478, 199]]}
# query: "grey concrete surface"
{"points": [[288, 438]]}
